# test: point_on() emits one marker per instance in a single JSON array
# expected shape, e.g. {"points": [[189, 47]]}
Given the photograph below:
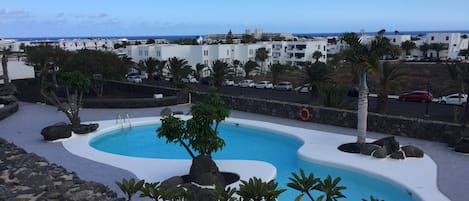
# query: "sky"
{"points": [[94, 18]]}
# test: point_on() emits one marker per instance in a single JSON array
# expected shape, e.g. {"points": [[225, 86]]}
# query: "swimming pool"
{"points": [[297, 146]]}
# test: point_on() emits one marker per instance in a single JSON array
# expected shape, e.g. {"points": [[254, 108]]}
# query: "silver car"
{"points": [[264, 85], [453, 99], [247, 83], [287, 86]]}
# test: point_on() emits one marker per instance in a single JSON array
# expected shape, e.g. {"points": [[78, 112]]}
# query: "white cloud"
{"points": [[13, 14]]}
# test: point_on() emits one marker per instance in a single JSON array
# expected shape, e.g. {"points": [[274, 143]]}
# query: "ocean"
{"points": [[177, 37]]}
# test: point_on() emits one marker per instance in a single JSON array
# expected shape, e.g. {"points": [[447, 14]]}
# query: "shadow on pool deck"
{"points": [[23, 129]]}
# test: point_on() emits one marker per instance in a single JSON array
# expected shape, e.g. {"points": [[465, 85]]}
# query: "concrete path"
{"points": [[23, 129]]}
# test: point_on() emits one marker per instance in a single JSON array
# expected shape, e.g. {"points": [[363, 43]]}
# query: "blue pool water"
{"points": [[250, 143]]}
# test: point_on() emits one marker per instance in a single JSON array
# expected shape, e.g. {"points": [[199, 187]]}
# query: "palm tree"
{"points": [[317, 55], [408, 45], [424, 48], [317, 74], [276, 70], [365, 55], [219, 70], [249, 67], [438, 47], [198, 69], [161, 66], [150, 64], [261, 55], [460, 73], [390, 76], [178, 68]]}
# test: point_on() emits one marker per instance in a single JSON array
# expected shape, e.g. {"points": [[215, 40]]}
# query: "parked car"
{"points": [[416, 96], [134, 79], [305, 88], [284, 86], [453, 99], [409, 58], [190, 79], [247, 83], [264, 85], [228, 82]]}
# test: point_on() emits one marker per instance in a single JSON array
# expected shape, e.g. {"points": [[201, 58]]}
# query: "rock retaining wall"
{"points": [[8, 110], [394, 125], [27, 176]]}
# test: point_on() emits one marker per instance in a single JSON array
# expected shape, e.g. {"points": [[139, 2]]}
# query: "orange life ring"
{"points": [[304, 114]]}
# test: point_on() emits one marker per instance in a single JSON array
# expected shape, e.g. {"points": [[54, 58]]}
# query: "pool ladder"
{"points": [[124, 121]]}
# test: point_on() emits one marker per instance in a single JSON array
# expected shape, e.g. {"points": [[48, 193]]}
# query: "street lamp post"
{"points": [[427, 103]]}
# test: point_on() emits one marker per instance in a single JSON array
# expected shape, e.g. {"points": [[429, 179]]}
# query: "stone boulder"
{"points": [[56, 131], [10, 90], [368, 149], [380, 153], [389, 143], [172, 182], [7, 99], [166, 112], [397, 155], [205, 172], [199, 193], [350, 147], [462, 146], [453, 138], [411, 151], [85, 128]]}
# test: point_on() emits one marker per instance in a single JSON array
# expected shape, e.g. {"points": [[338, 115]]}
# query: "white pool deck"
{"points": [[448, 171]]}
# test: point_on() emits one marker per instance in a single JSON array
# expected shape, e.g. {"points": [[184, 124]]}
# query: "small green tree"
{"points": [[201, 131], [130, 187], [307, 184], [317, 55], [257, 190], [249, 67], [262, 54], [75, 84], [219, 71], [317, 74]]}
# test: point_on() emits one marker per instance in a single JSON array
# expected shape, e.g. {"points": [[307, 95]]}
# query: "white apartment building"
{"points": [[398, 39], [293, 52], [285, 52], [453, 43], [199, 54]]}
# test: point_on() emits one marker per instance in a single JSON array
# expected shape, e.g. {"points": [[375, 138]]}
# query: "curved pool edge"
{"points": [[418, 176], [153, 170]]}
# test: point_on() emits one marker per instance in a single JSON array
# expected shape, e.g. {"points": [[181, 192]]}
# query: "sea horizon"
{"points": [[176, 37]]}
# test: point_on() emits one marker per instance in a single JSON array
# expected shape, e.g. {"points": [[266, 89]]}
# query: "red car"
{"points": [[416, 96]]}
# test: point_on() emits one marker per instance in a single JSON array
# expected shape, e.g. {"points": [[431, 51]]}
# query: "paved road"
{"points": [[409, 109]]}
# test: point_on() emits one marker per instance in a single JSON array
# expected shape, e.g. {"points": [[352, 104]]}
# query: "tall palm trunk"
{"points": [[362, 113], [6, 79]]}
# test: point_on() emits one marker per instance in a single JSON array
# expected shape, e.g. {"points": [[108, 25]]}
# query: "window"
{"points": [[146, 52], [433, 38], [205, 52], [393, 40], [227, 52], [158, 53], [324, 48], [319, 47], [447, 37], [206, 62], [251, 52]]}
